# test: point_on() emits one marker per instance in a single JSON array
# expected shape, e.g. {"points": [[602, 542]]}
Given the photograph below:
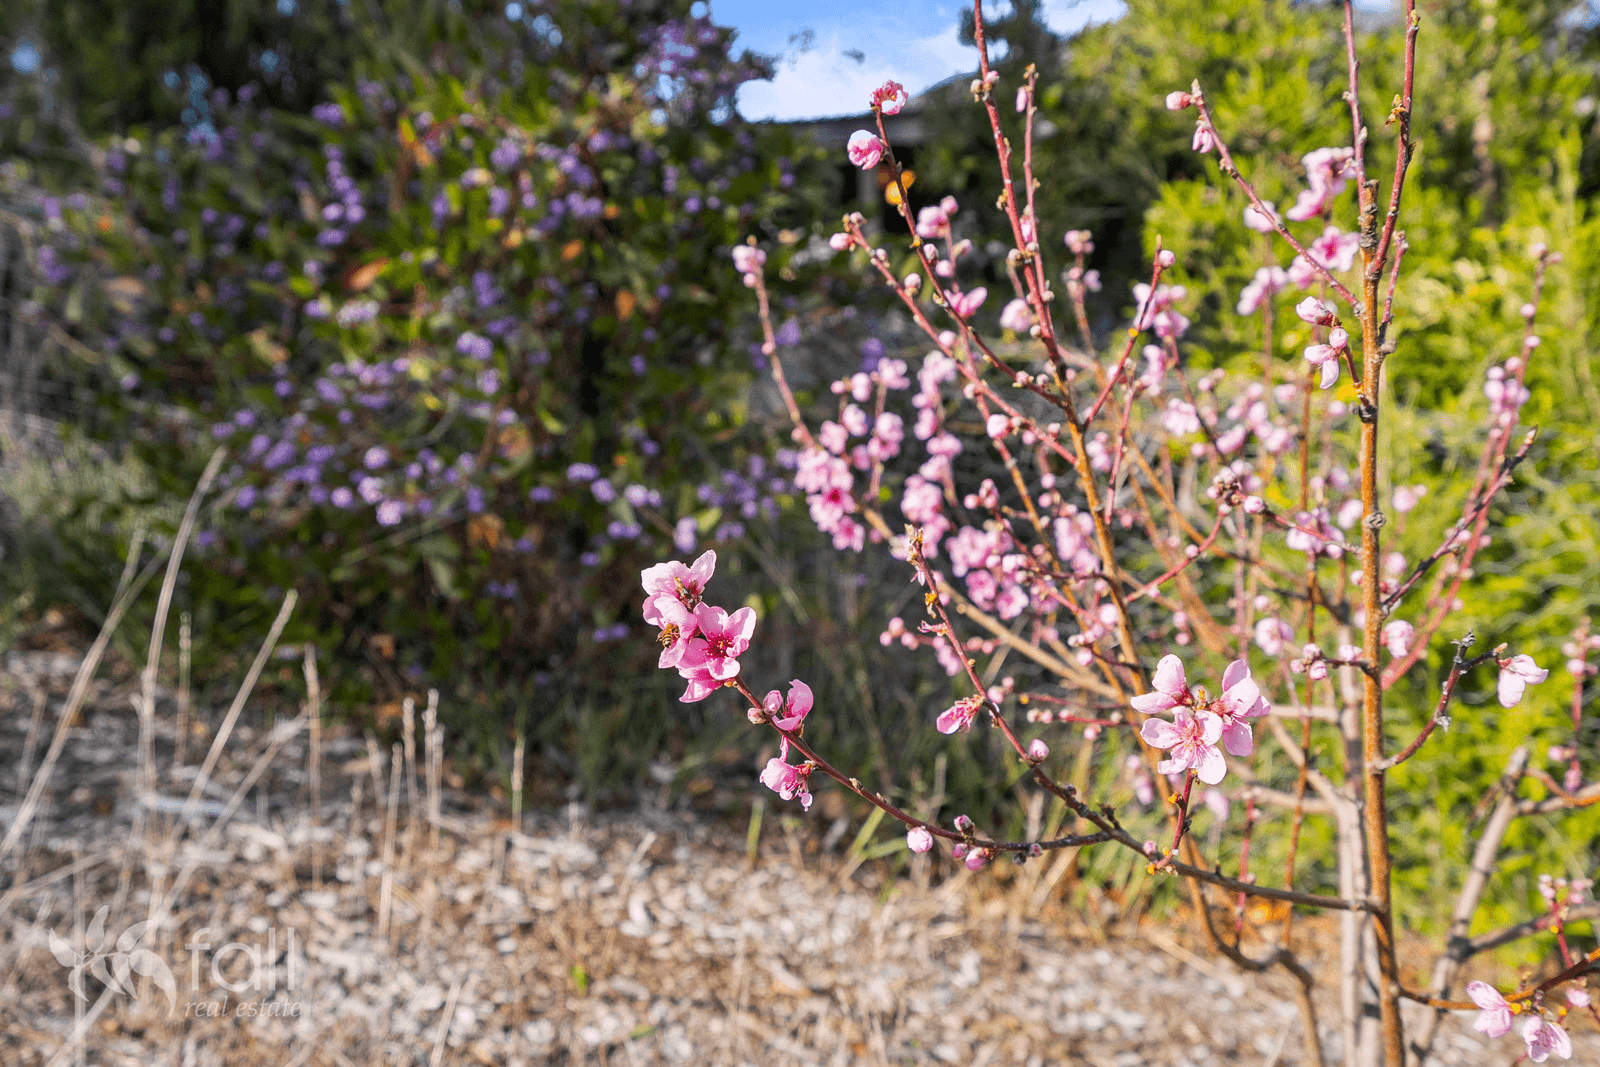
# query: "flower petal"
{"points": [[1330, 374], [1169, 677], [1150, 703], [1485, 995], [1213, 768], [1510, 689], [1159, 733], [1238, 739]]}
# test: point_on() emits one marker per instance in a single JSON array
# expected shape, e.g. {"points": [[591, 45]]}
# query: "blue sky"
{"points": [[912, 41]]}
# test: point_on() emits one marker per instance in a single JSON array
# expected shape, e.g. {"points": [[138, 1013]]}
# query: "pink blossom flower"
{"points": [[1144, 790], [1495, 1018], [959, 715], [1578, 998], [1272, 634], [966, 304], [1217, 801], [1327, 171], [1267, 280], [1327, 358], [1204, 139], [1016, 317], [1171, 688], [725, 637], [701, 683], [789, 714], [1301, 272], [864, 149], [1193, 741], [1406, 497], [889, 97], [1335, 249], [918, 839], [1397, 636], [1261, 223], [675, 581], [1543, 1038], [1241, 699], [933, 222], [1516, 674], [678, 626], [1180, 418], [788, 780], [747, 260]]}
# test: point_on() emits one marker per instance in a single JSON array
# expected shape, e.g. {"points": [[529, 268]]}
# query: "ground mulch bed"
{"points": [[648, 935]]}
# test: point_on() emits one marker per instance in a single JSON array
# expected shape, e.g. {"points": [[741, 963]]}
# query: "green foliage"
{"points": [[463, 330], [1503, 140]]}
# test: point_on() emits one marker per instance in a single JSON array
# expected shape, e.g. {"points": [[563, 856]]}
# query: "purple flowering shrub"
{"points": [[458, 329], [1179, 591]]}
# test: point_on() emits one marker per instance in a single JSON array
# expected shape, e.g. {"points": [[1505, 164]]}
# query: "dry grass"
{"points": [[647, 936]]}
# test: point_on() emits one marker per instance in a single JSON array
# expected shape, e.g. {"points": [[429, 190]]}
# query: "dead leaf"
{"points": [[364, 275], [485, 531]]}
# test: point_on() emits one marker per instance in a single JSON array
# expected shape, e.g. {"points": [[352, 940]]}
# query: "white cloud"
{"points": [[825, 82], [1070, 16]]}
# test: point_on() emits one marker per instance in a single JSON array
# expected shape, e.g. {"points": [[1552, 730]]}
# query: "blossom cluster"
{"points": [[703, 643]]}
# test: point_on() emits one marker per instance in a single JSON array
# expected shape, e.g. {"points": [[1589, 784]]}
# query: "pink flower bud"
{"points": [[1397, 637], [1038, 751], [1317, 312], [1166, 258], [747, 260], [1339, 337], [864, 149], [918, 839], [1177, 100], [839, 242], [1022, 99]]}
